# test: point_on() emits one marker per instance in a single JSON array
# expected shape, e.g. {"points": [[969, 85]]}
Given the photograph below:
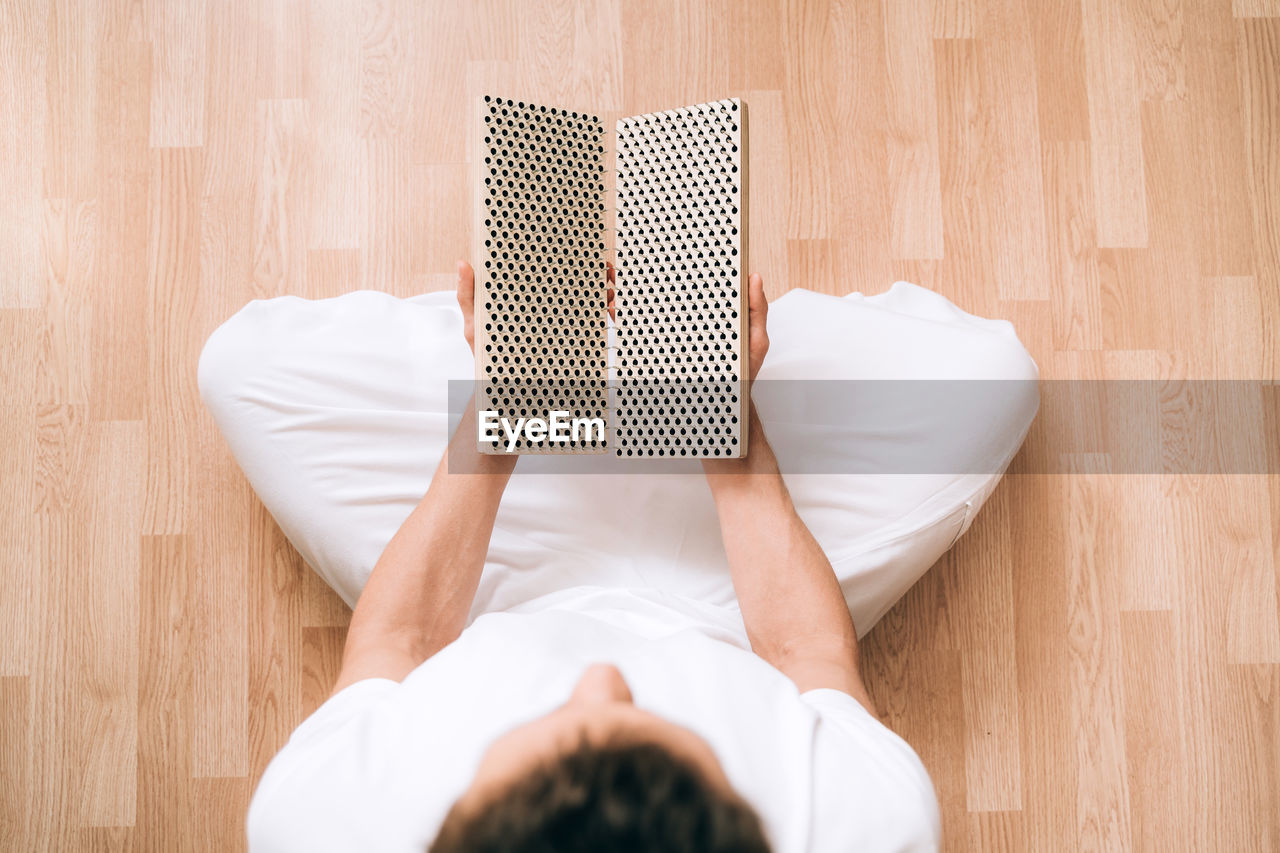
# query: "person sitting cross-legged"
{"points": [[548, 661]]}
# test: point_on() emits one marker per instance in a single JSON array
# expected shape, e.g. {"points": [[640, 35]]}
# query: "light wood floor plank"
{"points": [[118, 334], [24, 43], [767, 199], [15, 745], [69, 242], [808, 92], [1074, 283], [275, 624], [1115, 131], [173, 331], [102, 585], [953, 19], [1154, 759], [1097, 699], [166, 642], [912, 119], [177, 32], [1159, 35], [1222, 189], [1042, 585], [19, 542], [218, 522], [1255, 8], [989, 671], [848, 123], [1258, 65], [71, 42]]}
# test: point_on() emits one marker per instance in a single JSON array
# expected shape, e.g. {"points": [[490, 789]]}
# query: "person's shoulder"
{"points": [[344, 706], [869, 784], [309, 796]]}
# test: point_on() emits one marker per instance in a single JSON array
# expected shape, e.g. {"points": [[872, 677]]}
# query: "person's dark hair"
{"points": [[633, 798]]}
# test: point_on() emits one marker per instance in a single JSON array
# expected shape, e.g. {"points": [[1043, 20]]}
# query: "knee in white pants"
{"points": [[237, 350], [1006, 360]]}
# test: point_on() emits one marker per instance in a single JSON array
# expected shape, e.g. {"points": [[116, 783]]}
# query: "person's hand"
{"points": [[467, 302], [758, 341]]}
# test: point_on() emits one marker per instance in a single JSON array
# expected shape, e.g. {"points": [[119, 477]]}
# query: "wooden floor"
{"points": [[1096, 665]]}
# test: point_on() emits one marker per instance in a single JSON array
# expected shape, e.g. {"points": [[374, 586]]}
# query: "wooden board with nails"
{"points": [[541, 290], [677, 386], [682, 283]]}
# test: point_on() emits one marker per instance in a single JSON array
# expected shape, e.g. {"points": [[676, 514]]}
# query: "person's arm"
{"points": [[420, 591], [795, 613]]}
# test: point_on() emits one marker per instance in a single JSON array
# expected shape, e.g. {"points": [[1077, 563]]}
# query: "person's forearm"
{"points": [[421, 590], [792, 605]]}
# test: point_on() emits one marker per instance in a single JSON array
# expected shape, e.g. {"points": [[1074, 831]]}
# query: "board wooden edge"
{"points": [[744, 278]]}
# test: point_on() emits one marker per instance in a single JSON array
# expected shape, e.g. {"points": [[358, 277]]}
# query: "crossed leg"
{"points": [[337, 410]]}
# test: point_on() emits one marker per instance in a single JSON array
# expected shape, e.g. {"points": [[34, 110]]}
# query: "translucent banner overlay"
{"points": [[961, 427]]}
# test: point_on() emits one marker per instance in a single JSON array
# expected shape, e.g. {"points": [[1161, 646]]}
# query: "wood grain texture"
{"points": [[1097, 665], [1115, 132]]}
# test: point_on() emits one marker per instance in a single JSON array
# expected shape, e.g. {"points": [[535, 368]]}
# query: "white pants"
{"points": [[337, 410]]}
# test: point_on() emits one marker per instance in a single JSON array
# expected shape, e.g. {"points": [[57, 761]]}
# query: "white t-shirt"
{"points": [[377, 767]]}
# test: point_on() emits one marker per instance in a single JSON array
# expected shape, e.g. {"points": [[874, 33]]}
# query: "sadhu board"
{"points": [[670, 378]]}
